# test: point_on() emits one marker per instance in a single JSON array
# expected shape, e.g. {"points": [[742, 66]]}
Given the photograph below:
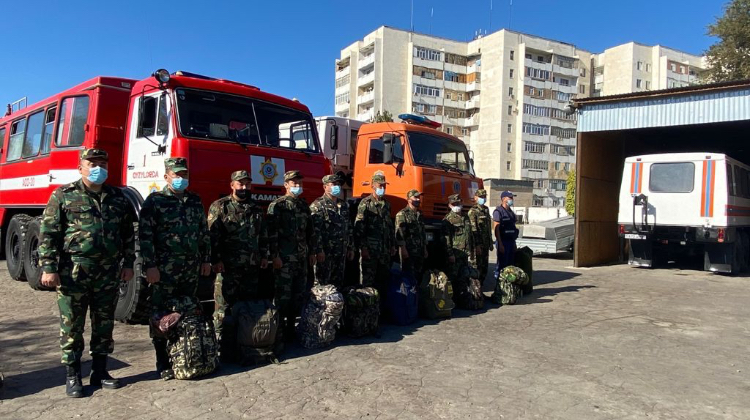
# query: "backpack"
{"points": [[509, 285], [257, 323], [402, 304], [524, 261], [470, 294], [436, 295], [361, 311], [193, 351], [320, 315]]}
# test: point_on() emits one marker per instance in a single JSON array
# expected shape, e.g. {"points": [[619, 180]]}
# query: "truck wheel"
{"points": [[737, 257], [745, 239], [14, 246], [133, 303], [31, 255]]}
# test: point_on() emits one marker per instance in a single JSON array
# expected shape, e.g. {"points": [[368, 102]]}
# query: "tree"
{"points": [[570, 193], [385, 116], [729, 59]]}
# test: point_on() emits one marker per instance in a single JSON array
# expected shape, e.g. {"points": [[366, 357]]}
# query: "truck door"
{"points": [[393, 171], [72, 127], [149, 124]]}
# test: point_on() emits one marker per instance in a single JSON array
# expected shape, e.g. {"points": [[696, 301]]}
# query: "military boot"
{"points": [[99, 375], [163, 364], [73, 385]]}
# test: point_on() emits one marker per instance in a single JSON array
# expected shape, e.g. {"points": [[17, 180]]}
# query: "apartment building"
{"points": [[504, 94]]}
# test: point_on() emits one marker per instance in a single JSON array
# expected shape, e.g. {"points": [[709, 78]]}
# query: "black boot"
{"points": [[99, 375], [73, 385], [163, 364]]}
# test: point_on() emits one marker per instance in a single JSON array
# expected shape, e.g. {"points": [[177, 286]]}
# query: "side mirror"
{"points": [[388, 148], [334, 135]]}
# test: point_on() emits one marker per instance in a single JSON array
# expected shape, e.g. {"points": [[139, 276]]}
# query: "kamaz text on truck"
{"points": [[220, 126]]}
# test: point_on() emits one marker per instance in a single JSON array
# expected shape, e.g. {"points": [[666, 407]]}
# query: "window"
{"points": [[510, 128], [465, 131], [648, 85], [512, 54], [507, 165], [638, 83], [672, 177], [71, 127], [510, 92], [648, 67], [342, 81], [534, 147], [557, 166], [567, 167], [449, 130], [17, 131], [460, 96], [2, 138], [582, 89], [162, 123], [510, 109], [682, 69], [564, 82], [583, 72], [535, 164], [538, 74], [49, 126], [511, 73], [639, 65], [672, 67], [509, 147], [147, 120], [33, 138], [528, 56], [376, 151], [426, 90], [540, 59], [342, 98], [535, 129], [427, 54]]}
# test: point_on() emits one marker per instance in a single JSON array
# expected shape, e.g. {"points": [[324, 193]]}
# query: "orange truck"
{"points": [[413, 154]]}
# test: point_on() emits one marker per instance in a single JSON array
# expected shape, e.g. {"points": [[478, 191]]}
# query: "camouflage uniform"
{"points": [[84, 236], [174, 238], [330, 218], [239, 241], [373, 229], [410, 233], [458, 240], [481, 228], [291, 238]]}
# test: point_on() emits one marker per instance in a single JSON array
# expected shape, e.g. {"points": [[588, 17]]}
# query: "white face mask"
{"points": [[456, 209]]}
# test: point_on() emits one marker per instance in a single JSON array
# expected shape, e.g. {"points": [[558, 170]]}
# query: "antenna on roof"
{"points": [[490, 14], [510, 15], [412, 15], [432, 11]]}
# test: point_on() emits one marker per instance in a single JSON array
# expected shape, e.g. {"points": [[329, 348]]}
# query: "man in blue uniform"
{"points": [[506, 232]]}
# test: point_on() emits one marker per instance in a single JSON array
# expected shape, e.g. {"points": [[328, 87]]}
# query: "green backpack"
{"points": [[509, 286], [193, 352], [436, 295], [257, 323]]}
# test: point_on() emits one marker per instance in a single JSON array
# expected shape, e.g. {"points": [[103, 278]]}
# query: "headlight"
{"points": [[161, 76]]}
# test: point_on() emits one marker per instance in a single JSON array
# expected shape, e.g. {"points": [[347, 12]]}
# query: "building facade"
{"points": [[504, 94]]}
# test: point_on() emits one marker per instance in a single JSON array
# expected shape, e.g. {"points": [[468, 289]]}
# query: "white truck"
{"points": [[338, 136], [693, 203]]}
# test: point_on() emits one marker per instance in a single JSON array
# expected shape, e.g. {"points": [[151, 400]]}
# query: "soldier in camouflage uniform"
{"points": [[481, 228], [86, 231], [330, 218], [457, 239], [239, 246], [291, 241], [410, 235], [374, 236], [175, 247]]}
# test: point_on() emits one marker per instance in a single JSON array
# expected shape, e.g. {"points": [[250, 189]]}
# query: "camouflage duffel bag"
{"points": [[469, 290], [320, 315], [257, 323], [361, 311], [509, 286], [193, 351], [436, 295]]}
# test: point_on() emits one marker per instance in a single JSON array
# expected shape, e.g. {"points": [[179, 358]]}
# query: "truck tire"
{"points": [[133, 302], [30, 254], [14, 246], [745, 239], [737, 257]]}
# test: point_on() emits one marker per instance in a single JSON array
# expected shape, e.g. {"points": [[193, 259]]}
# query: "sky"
{"points": [[289, 47]]}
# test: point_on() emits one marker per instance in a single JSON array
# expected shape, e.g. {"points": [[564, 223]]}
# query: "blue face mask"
{"points": [[179, 184], [481, 201], [456, 209], [510, 202], [336, 190], [296, 190], [97, 175], [380, 191]]}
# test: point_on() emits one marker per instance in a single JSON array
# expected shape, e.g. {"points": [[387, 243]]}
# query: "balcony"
{"points": [[473, 102], [366, 98], [537, 65], [366, 79], [473, 86], [343, 72], [344, 106], [564, 71], [473, 68], [366, 61], [472, 121], [367, 115]]}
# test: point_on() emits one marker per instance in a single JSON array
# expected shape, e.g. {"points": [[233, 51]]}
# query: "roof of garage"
{"points": [[702, 104]]}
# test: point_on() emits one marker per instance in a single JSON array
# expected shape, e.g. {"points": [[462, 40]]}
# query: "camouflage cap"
{"points": [[240, 175], [481, 193], [331, 178], [89, 154], [175, 164], [290, 175], [455, 198], [378, 177], [413, 193]]}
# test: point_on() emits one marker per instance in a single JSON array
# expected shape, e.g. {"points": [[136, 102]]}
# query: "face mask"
{"points": [[336, 190], [296, 190], [481, 201], [179, 184], [416, 203], [380, 191], [510, 202], [97, 175], [241, 194], [456, 209]]}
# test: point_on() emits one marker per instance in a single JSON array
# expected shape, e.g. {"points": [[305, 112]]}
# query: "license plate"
{"points": [[634, 236]]}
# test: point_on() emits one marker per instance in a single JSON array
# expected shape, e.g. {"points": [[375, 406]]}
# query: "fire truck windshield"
{"points": [[439, 152], [238, 119]]}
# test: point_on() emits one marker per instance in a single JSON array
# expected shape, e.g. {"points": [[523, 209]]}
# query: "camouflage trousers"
{"points": [[290, 287], [413, 264], [376, 271], [455, 270], [87, 286], [178, 277], [331, 271], [482, 263], [235, 284]]}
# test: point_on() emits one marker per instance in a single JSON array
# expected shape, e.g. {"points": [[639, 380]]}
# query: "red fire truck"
{"points": [[219, 125]]}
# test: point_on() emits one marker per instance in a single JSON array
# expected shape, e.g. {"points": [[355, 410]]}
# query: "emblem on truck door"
{"points": [[268, 170], [264, 170]]}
